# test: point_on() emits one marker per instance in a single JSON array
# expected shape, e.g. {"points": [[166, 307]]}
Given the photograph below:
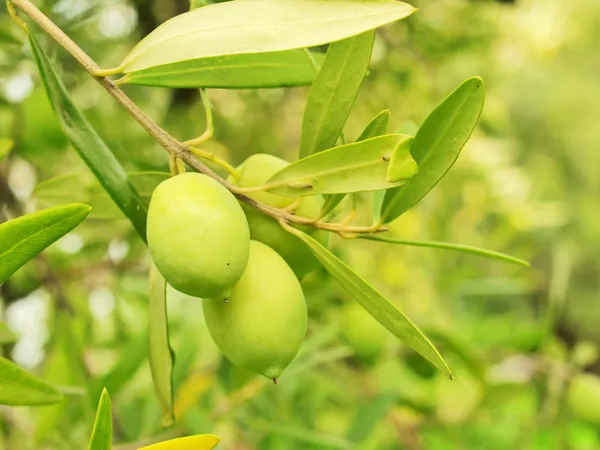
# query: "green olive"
{"points": [[584, 397], [262, 324], [198, 235], [255, 171], [365, 335]]}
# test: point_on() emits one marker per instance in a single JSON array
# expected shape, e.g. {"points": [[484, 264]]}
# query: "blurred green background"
{"points": [[526, 184]]}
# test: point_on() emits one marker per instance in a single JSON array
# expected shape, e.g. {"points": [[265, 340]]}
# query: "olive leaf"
{"points": [[475, 251], [6, 146], [401, 161], [249, 71], [101, 438], [377, 126], [6, 335], [334, 91], [20, 388], [26, 236], [83, 187], [259, 26], [361, 166], [89, 145], [161, 355], [437, 145], [375, 303], [199, 442]]}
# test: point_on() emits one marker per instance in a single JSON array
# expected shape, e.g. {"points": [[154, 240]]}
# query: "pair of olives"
{"points": [[241, 262]]}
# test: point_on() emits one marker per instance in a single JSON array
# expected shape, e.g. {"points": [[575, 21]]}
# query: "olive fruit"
{"points": [[584, 397], [262, 324], [255, 171], [365, 335], [198, 235]]}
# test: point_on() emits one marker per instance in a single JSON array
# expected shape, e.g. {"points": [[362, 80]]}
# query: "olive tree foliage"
{"points": [[325, 45]]}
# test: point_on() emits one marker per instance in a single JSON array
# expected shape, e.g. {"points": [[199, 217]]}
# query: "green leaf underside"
{"points": [[101, 438], [475, 251], [6, 335], [24, 237], [161, 356], [6, 145], [89, 145], [83, 187], [361, 166], [259, 26], [333, 94], [382, 309], [20, 388], [250, 71], [437, 145]]}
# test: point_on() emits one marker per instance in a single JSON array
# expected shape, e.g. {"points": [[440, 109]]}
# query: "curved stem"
{"points": [[175, 148]]}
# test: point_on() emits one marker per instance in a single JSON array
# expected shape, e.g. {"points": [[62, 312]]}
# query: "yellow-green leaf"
{"points": [[160, 354], [199, 442], [259, 26], [24, 237], [6, 335], [101, 438], [401, 162], [6, 146], [20, 388], [361, 166]]}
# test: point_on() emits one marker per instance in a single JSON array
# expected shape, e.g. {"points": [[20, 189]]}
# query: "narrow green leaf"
{"points": [[23, 238], [101, 438], [260, 70], [368, 417], [401, 162], [89, 144], [6, 146], [382, 309], [259, 26], [437, 145], [377, 127], [6, 335], [199, 442], [490, 254], [83, 187], [20, 388], [408, 127], [334, 91], [361, 166], [377, 204], [162, 358]]}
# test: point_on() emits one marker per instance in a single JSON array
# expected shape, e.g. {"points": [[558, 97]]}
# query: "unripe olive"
{"points": [[262, 324], [365, 335], [584, 397], [198, 235], [255, 171]]}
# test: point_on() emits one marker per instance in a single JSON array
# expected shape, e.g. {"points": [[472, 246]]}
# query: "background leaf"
{"points": [[5, 147], [259, 26], [90, 145], [162, 358], [361, 166], [101, 438], [437, 145], [382, 309], [334, 91], [259, 70], [200, 442], [23, 238], [490, 254], [6, 335], [20, 388]]}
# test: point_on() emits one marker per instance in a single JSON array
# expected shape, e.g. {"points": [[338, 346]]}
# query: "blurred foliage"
{"points": [[526, 184]]}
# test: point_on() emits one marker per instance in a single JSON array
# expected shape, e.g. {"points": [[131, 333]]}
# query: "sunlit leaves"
{"points": [[101, 438], [19, 387], [260, 70], [361, 166], [376, 304], [23, 238], [334, 92], [437, 145], [258, 26], [160, 354], [89, 144]]}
